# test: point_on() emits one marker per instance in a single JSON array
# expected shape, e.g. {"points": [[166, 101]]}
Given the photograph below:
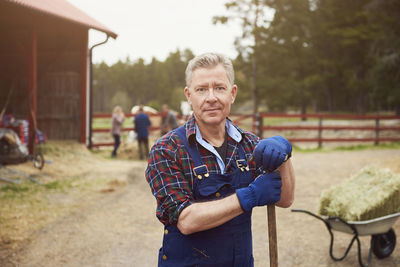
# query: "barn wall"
{"points": [[60, 47], [59, 82], [14, 69]]}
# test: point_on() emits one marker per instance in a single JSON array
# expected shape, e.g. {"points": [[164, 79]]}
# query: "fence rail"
{"points": [[260, 123]]}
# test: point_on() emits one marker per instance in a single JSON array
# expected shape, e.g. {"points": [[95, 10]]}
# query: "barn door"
{"points": [[58, 105]]}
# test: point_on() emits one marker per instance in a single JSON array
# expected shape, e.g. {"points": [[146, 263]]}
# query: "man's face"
{"points": [[210, 95]]}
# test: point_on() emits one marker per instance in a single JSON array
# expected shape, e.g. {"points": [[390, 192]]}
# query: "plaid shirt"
{"points": [[170, 169]]}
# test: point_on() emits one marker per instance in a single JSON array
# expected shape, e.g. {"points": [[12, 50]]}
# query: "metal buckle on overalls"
{"points": [[242, 165], [201, 171]]}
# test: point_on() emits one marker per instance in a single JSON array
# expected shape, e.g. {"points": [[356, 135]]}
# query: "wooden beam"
{"points": [[83, 84], [32, 87]]}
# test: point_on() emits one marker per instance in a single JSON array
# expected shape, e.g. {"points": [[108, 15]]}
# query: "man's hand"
{"points": [[270, 153], [264, 190]]}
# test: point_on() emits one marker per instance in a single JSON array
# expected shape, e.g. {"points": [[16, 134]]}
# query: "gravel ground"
{"points": [[116, 226]]}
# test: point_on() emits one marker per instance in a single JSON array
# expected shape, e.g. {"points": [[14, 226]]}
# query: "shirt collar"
{"points": [[233, 130]]}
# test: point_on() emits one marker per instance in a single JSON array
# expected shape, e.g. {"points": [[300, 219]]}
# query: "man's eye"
{"points": [[200, 89], [220, 88]]}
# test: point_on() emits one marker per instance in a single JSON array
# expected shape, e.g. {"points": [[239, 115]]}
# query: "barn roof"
{"points": [[65, 10]]}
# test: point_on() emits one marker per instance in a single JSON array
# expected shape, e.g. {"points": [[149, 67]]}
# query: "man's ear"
{"points": [[187, 94], [233, 93]]}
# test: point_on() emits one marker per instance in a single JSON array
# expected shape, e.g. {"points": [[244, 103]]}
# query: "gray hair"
{"points": [[209, 60]]}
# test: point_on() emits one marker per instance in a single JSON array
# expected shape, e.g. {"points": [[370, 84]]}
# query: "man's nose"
{"points": [[211, 95]]}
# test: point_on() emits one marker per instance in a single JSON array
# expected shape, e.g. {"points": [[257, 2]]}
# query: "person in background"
{"points": [[142, 124], [117, 120], [168, 120], [186, 110]]}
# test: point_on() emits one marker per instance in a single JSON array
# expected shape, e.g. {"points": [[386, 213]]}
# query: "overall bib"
{"points": [[229, 244]]}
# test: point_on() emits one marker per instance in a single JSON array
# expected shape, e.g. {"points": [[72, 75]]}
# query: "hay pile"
{"points": [[369, 194]]}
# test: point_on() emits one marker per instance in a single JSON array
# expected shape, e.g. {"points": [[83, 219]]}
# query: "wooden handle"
{"points": [[273, 244]]}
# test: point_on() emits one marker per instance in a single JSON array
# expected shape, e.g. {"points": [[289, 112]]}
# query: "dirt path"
{"points": [[117, 226]]}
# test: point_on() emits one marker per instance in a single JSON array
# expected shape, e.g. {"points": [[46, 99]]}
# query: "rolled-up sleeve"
{"points": [[165, 174]]}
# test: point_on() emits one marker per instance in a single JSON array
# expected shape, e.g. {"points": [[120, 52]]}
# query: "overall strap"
{"points": [[242, 155], [200, 169], [192, 149]]}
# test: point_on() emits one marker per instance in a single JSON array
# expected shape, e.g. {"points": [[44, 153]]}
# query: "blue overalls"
{"points": [[229, 244]]}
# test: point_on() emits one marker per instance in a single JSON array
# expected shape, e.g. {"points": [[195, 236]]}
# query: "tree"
{"points": [[343, 37], [127, 83], [384, 76], [251, 15], [329, 55], [285, 51]]}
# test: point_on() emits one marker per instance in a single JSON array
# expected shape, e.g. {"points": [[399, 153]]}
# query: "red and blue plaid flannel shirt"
{"points": [[169, 171]]}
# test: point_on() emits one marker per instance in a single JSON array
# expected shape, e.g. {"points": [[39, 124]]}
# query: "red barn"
{"points": [[45, 66]]}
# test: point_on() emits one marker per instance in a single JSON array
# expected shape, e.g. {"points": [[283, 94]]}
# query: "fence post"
{"points": [[253, 124], [377, 131], [258, 124], [320, 132]]}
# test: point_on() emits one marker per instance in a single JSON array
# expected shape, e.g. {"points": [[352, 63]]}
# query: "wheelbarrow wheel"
{"points": [[383, 244], [38, 161]]}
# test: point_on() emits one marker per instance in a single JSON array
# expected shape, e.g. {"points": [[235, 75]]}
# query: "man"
{"points": [[142, 124], [203, 175], [168, 120]]}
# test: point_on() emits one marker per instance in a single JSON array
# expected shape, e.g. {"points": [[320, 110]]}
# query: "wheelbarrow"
{"points": [[383, 237], [13, 151]]}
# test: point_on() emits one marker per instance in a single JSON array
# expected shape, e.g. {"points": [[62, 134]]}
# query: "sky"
{"points": [[154, 28]]}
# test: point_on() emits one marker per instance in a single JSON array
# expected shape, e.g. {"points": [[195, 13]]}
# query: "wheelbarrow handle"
{"points": [[310, 213]]}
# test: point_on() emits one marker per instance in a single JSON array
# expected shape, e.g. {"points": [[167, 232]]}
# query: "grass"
{"points": [[25, 207], [15, 188], [105, 123], [62, 148], [12, 192], [358, 147], [27, 188], [28, 206], [392, 145], [56, 185], [66, 184], [278, 121]]}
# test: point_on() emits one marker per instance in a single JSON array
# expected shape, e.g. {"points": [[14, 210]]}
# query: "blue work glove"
{"points": [[270, 153], [264, 190]]}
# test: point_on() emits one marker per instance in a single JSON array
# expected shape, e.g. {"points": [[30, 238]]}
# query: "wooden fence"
{"points": [[316, 128]]}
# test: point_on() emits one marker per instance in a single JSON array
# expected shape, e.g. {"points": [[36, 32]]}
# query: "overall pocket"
{"points": [[212, 187]]}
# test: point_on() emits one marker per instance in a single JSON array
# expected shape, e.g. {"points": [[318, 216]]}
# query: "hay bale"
{"points": [[369, 194]]}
